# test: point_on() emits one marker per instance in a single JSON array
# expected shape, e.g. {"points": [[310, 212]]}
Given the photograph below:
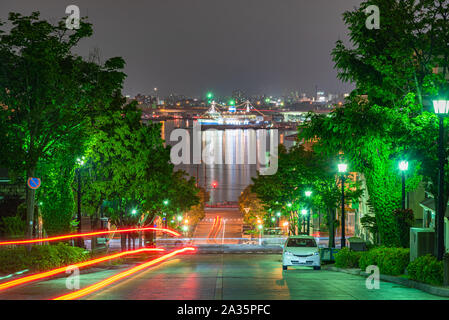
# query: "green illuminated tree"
{"points": [[47, 93], [387, 118]]}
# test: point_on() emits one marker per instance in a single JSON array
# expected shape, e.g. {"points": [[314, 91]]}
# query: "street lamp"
{"points": [[308, 194], [304, 215], [403, 166], [165, 202], [80, 162], [134, 211], [441, 108], [342, 168]]}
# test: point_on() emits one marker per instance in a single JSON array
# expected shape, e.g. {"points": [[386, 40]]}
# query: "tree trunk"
{"points": [[30, 197], [123, 241]]}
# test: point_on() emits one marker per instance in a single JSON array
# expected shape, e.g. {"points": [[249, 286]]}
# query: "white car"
{"points": [[301, 251]]}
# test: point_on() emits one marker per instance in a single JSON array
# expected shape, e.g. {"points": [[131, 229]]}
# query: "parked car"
{"points": [[301, 251]]}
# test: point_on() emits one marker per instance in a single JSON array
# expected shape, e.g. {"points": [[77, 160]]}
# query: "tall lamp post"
{"points": [[304, 215], [403, 166], [165, 216], [342, 168], [441, 108], [278, 217], [80, 162], [308, 194]]}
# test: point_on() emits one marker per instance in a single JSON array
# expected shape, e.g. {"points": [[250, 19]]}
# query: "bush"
{"points": [[346, 258], [41, 257], [426, 269], [392, 261], [13, 227]]}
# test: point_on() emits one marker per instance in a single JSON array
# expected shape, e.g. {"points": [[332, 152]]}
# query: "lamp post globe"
{"points": [[403, 167]]}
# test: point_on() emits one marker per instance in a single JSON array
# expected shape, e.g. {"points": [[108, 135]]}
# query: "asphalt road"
{"points": [[228, 232], [224, 276]]}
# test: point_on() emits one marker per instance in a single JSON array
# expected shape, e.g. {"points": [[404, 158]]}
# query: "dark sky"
{"points": [[192, 46]]}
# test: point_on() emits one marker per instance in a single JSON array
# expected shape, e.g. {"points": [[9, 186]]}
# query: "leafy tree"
{"points": [[257, 209], [386, 117], [300, 170], [48, 92], [196, 212]]}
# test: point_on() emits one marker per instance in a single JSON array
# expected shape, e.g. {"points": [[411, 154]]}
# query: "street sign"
{"points": [[34, 183]]}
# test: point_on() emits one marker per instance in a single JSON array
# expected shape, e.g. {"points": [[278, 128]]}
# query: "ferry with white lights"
{"points": [[231, 116]]}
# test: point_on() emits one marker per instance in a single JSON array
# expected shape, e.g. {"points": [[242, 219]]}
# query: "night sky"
{"points": [[192, 46]]}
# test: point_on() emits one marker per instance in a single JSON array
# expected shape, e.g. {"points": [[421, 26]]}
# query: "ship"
{"points": [[230, 116]]}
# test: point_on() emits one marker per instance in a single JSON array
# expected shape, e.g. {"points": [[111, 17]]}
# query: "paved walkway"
{"points": [[225, 276]]}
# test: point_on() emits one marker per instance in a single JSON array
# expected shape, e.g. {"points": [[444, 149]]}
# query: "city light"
{"points": [[342, 167], [185, 228], [308, 193], [441, 106], [53, 272], [134, 211], [166, 202], [119, 276], [303, 212], [260, 226], [278, 214], [289, 205], [80, 161], [403, 165], [179, 218], [285, 224]]}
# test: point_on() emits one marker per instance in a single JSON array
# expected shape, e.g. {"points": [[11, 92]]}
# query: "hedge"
{"points": [[346, 258], [41, 257], [391, 261], [426, 269]]}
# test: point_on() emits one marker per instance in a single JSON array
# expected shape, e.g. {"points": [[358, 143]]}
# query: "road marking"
{"points": [[219, 282]]}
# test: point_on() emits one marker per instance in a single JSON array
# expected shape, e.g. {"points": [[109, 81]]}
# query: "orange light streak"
{"points": [[220, 222], [119, 276], [53, 272], [78, 235], [213, 227]]}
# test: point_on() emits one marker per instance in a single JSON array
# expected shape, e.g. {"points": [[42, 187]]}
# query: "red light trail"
{"points": [[53, 272], [213, 226], [78, 235], [220, 223], [119, 276]]}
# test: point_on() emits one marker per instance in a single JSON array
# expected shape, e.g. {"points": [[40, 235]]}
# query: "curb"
{"points": [[438, 291]]}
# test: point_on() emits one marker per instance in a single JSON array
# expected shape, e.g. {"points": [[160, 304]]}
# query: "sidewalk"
{"points": [[436, 290]]}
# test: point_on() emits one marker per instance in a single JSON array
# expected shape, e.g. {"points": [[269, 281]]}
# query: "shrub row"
{"points": [[426, 269], [41, 257], [391, 261], [394, 261], [346, 258]]}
